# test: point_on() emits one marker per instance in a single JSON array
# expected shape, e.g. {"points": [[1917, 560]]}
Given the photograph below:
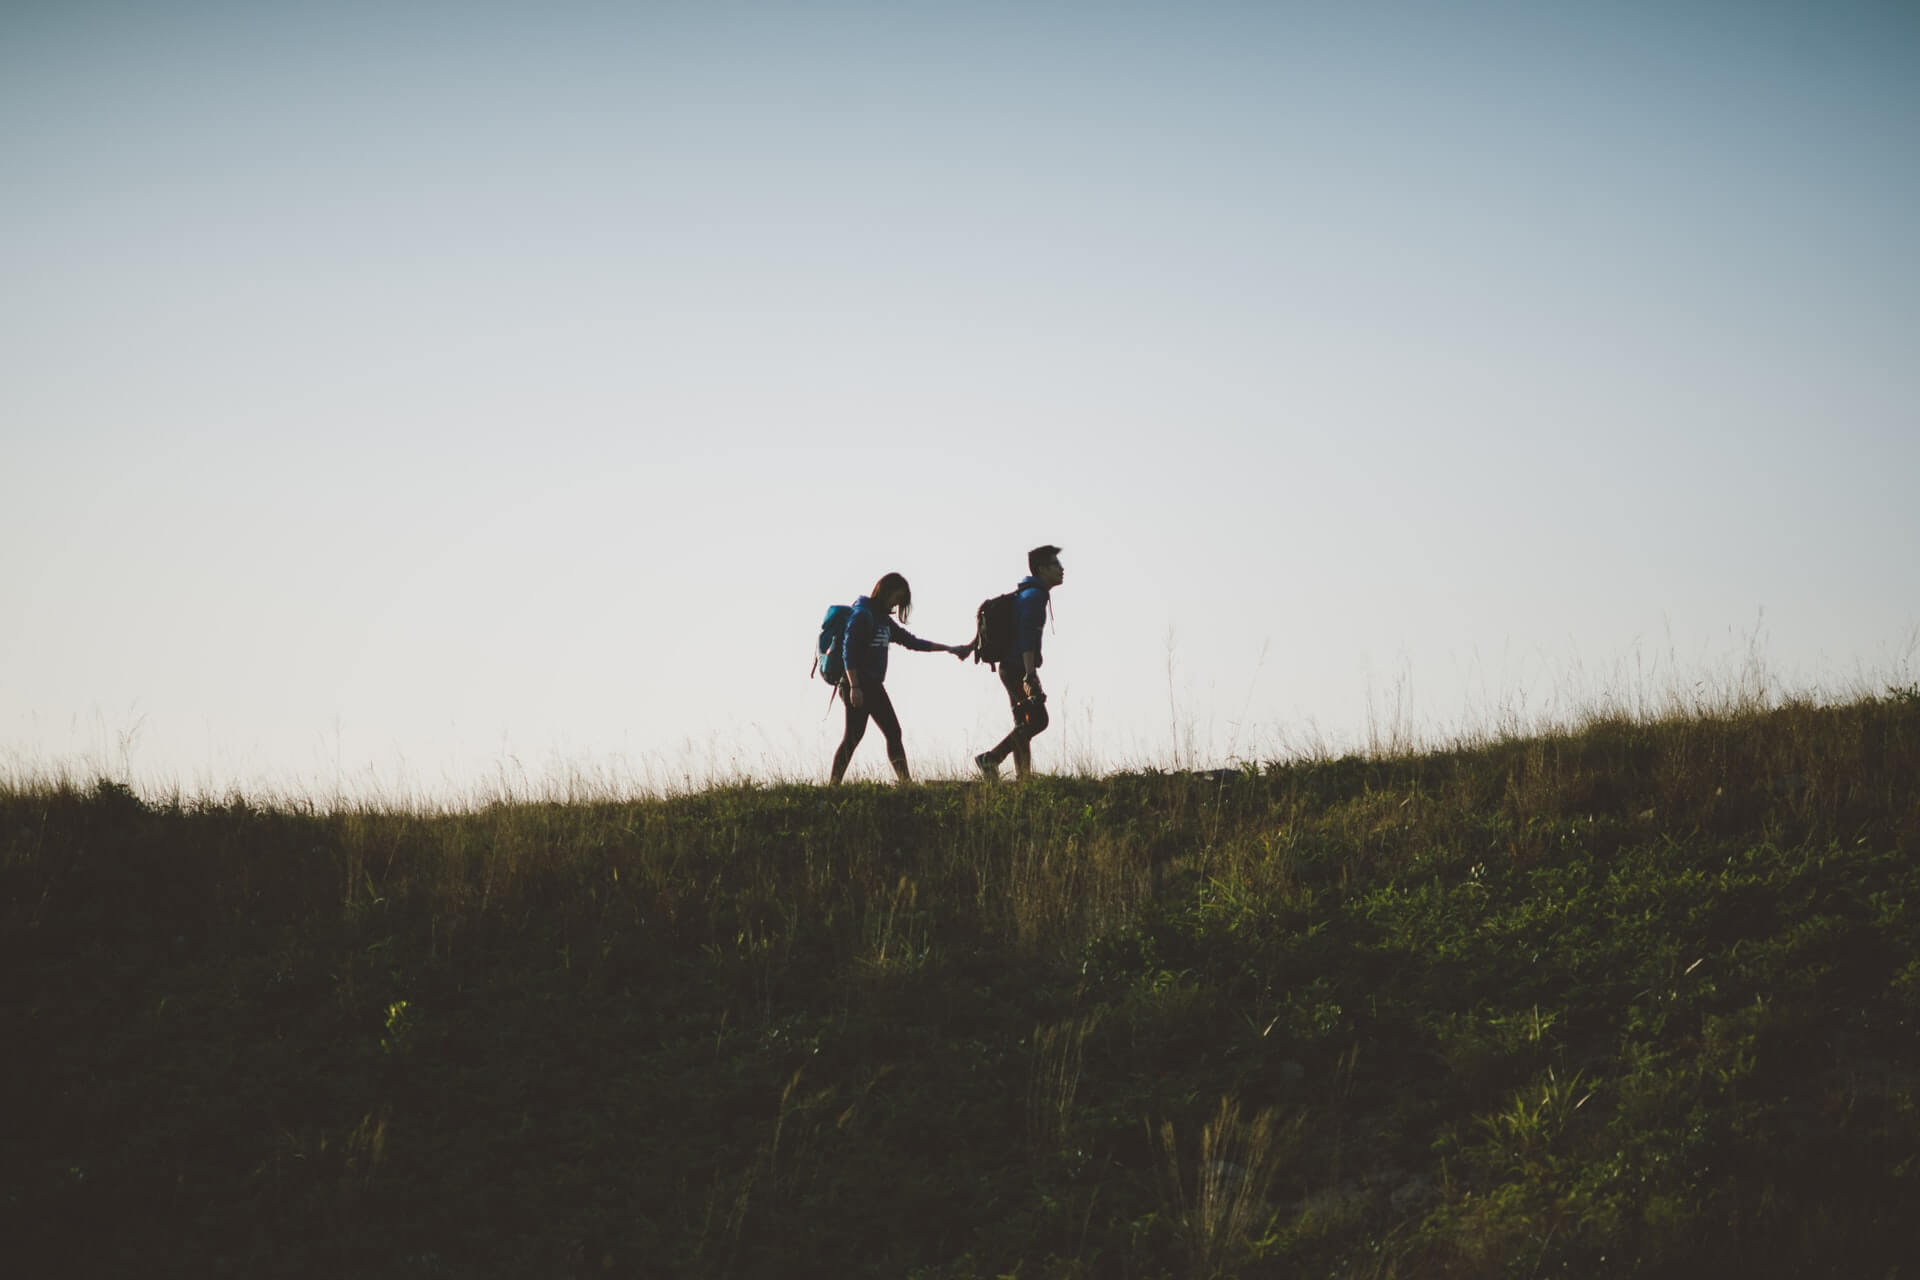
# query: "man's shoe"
{"points": [[989, 766]]}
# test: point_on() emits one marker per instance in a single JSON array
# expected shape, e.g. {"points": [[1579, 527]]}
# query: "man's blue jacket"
{"points": [[1029, 620]]}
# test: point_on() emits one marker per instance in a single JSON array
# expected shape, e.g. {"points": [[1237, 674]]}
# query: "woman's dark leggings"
{"points": [[879, 707]]}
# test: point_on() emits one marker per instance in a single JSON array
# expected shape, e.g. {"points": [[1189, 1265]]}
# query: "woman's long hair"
{"points": [[895, 582]]}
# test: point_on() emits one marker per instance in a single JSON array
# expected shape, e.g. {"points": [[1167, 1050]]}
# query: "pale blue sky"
{"points": [[406, 393]]}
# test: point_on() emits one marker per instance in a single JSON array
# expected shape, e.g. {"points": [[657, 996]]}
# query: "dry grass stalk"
{"points": [[1237, 1162], [1059, 1055]]}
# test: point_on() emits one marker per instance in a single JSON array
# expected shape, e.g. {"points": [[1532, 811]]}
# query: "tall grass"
{"points": [[1225, 1196], [1524, 1002]]}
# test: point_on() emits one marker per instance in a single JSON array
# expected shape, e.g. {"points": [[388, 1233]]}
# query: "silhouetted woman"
{"points": [[870, 631]]}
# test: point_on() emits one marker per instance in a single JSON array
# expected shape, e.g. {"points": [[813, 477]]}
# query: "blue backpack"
{"points": [[830, 654]]}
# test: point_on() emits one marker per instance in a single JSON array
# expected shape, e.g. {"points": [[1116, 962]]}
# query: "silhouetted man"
{"points": [[1019, 664]]}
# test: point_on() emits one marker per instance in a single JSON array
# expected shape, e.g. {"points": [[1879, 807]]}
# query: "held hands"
{"points": [[961, 651]]}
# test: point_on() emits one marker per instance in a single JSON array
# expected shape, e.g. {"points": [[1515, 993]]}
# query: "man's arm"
{"points": [[1030, 617]]}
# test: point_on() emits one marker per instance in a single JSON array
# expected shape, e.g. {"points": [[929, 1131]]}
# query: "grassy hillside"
{"points": [[1638, 999]]}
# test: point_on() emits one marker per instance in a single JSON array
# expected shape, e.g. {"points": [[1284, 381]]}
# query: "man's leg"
{"points": [[1032, 718], [1015, 743]]}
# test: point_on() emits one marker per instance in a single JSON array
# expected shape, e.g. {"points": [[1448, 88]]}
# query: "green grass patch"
{"points": [[1633, 999]]}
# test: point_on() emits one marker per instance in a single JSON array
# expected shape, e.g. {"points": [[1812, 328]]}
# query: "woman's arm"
{"points": [[858, 637], [906, 639]]}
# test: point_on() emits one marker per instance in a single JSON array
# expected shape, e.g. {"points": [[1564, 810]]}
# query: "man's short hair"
{"points": [[1041, 555]]}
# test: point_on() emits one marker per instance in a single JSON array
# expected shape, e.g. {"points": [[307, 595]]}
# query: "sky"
{"points": [[435, 400]]}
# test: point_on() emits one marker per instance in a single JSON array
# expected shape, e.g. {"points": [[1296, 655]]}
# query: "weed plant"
{"points": [[1636, 997]]}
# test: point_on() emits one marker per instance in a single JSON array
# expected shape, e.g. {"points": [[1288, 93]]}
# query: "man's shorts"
{"points": [[1028, 713]]}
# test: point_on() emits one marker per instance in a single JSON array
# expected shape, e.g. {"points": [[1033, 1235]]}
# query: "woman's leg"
{"points": [[856, 729], [883, 715]]}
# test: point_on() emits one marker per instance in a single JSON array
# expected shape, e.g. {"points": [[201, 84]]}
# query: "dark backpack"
{"points": [[830, 654], [993, 629]]}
